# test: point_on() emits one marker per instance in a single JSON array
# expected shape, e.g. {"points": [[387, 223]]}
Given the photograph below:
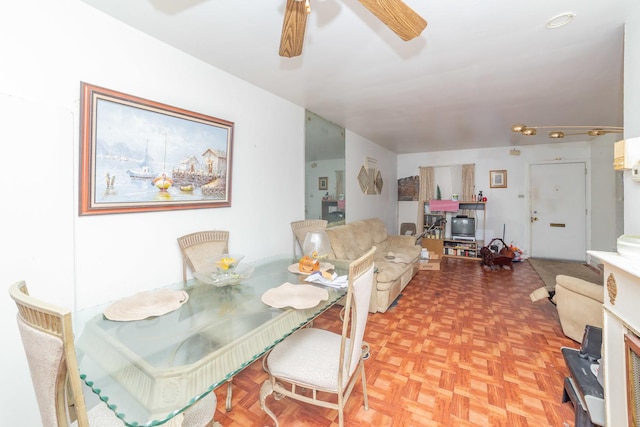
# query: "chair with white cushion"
{"points": [[315, 363], [47, 336], [199, 247]]}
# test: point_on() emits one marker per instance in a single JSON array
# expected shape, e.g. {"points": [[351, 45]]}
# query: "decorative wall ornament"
{"points": [[612, 288], [369, 177], [379, 182], [408, 188], [363, 178]]}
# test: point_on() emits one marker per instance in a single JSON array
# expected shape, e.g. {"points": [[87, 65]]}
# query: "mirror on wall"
{"points": [[325, 196]]}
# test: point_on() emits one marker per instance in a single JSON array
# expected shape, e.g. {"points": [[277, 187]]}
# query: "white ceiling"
{"points": [[478, 68]]}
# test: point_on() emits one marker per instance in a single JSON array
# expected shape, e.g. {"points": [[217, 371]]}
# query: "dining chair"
{"points": [[317, 366], [197, 248], [47, 336], [300, 230]]}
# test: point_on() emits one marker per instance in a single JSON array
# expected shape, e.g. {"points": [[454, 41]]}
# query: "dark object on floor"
{"points": [[582, 387], [395, 301], [551, 295], [499, 257]]}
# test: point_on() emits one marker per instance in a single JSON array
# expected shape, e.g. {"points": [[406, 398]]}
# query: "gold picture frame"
{"points": [[323, 183], [498, 179]]}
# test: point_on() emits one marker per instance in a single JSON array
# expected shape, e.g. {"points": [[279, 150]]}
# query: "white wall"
{"points": [[632, 117], [605, 214], [48, 48], [360, 205], [509, 207]]}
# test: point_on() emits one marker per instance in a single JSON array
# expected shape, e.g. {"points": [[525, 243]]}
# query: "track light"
{"points": [[572, 130]]}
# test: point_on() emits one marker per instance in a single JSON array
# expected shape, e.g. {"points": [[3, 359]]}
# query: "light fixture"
{"points": [[556, 133], [560, 20]]}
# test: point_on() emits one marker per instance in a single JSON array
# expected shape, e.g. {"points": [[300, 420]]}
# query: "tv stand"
{"points": [[456, 248], [452, 247]]}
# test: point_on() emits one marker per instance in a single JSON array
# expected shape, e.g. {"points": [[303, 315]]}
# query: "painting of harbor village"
{"points": [[139, 155]]}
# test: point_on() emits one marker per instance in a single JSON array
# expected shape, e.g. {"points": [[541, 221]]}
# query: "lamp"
{"points": [[556, 133]]}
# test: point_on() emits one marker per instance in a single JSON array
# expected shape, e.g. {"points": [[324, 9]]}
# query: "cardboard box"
{"points": [[431, 264], [434, 246]]}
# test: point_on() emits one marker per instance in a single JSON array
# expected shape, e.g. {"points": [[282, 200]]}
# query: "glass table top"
{"points": [[149, 370]]}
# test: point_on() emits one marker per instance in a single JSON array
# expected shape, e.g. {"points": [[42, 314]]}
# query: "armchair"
{"points": [[579, 303]]}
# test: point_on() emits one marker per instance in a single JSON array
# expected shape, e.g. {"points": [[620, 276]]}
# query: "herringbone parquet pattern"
{"points": [[462, 347]]}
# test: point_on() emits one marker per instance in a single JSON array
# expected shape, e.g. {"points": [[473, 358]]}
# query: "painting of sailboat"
{"points": [[157, 157], [144, 172]]}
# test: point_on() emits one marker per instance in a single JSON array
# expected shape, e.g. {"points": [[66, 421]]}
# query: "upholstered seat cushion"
{"points": [[310, 356]]}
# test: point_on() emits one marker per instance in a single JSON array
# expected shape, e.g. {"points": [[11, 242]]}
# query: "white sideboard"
{"points": [[621, 317]]}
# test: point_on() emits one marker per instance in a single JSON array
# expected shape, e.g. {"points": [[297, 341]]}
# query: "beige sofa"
{"points": [[349, 241], [579, 303]]}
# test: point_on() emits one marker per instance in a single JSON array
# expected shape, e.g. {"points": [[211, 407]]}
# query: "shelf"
{"points": [[437, 236], [461, 249], [471, 205]]}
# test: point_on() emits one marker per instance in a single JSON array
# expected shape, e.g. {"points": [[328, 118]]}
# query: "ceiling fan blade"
{"points": [[396, 15], [293, 26]]}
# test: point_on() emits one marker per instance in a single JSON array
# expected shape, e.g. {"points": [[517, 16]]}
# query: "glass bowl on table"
{"points": [[227, 263], [226, 270]]}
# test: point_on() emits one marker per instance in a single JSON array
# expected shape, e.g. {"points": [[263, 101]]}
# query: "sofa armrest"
{"points": [[582, 287], [401, 240]]}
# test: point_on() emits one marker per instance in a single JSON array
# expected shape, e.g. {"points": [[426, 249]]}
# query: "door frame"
{"points": [[587, 178]]}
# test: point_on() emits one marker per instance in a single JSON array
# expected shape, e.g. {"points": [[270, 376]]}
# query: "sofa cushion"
{"points": [[388, 272], [350, 241]]}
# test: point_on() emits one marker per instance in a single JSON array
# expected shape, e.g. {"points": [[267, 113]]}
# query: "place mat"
{"points": [[296, 296], [146, 304], [295, 268]]}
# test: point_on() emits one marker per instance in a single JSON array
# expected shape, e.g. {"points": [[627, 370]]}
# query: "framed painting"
{"points": [[498, 179], [138, 155], [323, 183]]}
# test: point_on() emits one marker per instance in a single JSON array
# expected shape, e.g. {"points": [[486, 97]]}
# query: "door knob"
{"points": [[534, 218]]}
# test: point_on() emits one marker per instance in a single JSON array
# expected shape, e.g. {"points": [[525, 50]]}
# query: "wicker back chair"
{"points": [[300, 230], [47, 336], [198, 247], [318, 360]]}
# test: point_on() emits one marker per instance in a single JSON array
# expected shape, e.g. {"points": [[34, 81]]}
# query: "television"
{"points": [[463, 228]]}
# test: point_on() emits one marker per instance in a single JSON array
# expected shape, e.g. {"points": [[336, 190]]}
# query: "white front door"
{"points": [[558, 211]]}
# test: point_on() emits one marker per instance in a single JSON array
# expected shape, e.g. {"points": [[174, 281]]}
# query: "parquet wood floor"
{"points": [[462, 347]]}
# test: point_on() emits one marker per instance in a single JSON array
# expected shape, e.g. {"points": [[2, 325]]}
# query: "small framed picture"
{"points": [[323, 183], [498, 179]]}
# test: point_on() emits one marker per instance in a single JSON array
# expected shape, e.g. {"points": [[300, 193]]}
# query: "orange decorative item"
{"points": [[308, 264]]}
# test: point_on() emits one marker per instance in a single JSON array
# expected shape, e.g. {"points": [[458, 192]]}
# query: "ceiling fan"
{"points": [[395, 14]]}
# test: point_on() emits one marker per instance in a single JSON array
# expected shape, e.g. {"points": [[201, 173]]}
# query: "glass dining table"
{"points": [[148, 371]]}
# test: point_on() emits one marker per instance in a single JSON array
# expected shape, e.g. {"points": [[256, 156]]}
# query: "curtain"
{"points": [[339, 184], [468, 184], [425, 193]]}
